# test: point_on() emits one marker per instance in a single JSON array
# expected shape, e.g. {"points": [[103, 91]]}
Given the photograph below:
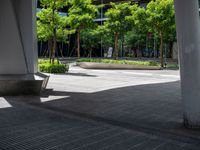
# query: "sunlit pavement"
{"points": [[89, 81], [99, 109]]}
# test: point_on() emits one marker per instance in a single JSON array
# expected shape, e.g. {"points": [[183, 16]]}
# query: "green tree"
{"points": [[135, 41], [90, 40], [93, 38], [137, 36], [81, 15], [51, 26], [118, 22], [161, 16], [138, 18], [105, 37]]}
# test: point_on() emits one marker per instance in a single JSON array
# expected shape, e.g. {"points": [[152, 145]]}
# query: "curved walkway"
{"points": [[97, 109]]}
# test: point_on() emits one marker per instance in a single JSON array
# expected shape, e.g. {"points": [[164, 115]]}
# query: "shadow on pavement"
{"points": [[153, 108]]}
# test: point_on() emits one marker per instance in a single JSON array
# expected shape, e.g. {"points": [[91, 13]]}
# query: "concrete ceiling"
{"points": [[108, 1]]}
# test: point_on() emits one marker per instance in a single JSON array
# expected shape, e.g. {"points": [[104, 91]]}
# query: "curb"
{"points": [[91, 65]]}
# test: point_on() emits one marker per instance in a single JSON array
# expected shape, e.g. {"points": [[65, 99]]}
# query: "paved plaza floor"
{"points": [[99, 110]]}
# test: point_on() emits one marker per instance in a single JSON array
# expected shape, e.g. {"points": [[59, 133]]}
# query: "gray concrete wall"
{"points": [[18, 44]]}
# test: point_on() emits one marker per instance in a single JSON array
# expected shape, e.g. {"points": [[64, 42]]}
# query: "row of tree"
{"points": [[122, 21]]}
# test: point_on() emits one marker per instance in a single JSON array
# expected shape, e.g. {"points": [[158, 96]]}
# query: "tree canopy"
{"points": [[161, 17], [81, 15], [118, 22], [51, 26], [125, 19]]}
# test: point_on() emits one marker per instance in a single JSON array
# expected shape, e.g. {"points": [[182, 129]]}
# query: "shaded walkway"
{"points": [[138, 114]]}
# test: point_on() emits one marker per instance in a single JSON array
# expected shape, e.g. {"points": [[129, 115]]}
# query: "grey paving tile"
{"points": [[169, 146], [111, 110], [127, 144], [148, 144]]}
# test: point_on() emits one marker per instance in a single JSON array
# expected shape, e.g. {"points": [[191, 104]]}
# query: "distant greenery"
{"points": [[118, 22], [90, 40], [111, 61], [128, 27], [172, 66], [161, 19], [81, 15], [51, 26], [57, 67]]}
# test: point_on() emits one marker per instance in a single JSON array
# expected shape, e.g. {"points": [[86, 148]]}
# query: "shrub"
{"points": [[172, 66], [153, 63], [57, 67]]}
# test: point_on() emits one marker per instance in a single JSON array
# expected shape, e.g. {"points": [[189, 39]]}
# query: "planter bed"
{"points": [[91, 65]]}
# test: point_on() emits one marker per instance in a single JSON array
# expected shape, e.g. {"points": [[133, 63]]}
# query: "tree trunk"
{"points": [[161, 50], [54, 47], [90, 53], [171, 49], [40, 50], [50, 45], [122, 46], [116, 53], [78, 43], [54, 35], [61, 50]]}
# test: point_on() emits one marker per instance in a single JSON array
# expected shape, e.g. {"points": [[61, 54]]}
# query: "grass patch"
{"points": [[111, 61], [172, 66], [57, 67]]}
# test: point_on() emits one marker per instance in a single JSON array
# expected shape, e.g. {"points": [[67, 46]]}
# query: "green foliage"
{"points": [[118, 18], [105, 36], [111, 61], [49, 19], [172, 66], [136, 38], [51, 26], [81, 15], [161, 15], [57, 67], [118, 22], [92, 38], [161, 18], [125, 21], [89, 38], [133, 39], [139, 19]]}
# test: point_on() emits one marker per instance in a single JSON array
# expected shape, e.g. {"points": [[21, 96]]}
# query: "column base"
{"points": [[16, 85], [191, 125]]}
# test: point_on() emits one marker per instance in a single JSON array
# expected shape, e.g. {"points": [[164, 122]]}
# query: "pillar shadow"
{"points": [[153, 108]]}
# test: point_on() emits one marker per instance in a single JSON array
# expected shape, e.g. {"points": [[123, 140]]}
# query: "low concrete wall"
{"points": [[90, 65]]}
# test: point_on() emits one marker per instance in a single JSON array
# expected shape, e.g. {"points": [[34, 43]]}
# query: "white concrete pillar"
{"points": [[18, 49], [188, 35], [18, 44]]}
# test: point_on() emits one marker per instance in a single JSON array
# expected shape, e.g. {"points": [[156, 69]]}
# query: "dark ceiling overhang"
{"points": [[108, 1]]}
